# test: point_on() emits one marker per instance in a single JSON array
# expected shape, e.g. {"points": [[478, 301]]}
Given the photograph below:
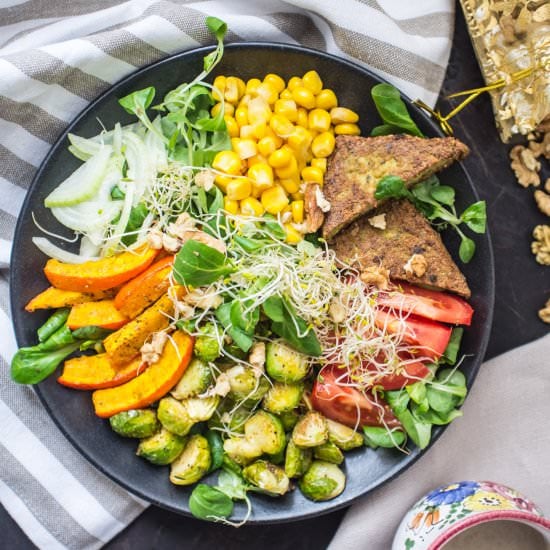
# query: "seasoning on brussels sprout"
{"points": [[322, 481], [241, 450], [284, 364], [282, 397], [173, 416], [246, 386], [193, 463], [297, 460], [135, 423], [311, 430], [289, 419], [207, 345], [162, 448], [343, 436], [266, 432], [271, 479], [329, 452], [230, 417], [196, 379]]}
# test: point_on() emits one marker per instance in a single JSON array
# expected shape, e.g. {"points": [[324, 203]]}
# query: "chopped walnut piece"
{"points": [[205, 238], [416, 265], [314, 214], [221, 388], [337, 311], [150, 351], [547, 185], [182, 226], [205, 179], [378, 222], [526, 176], [542, 147], [543, 202], [257, 357], [541, 245], [377, 276], [170, 244], [184, 311], [154, 238], [544, 313]]}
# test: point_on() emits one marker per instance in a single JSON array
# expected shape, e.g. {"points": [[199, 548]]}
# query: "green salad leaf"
{"points": [[210, 503]]}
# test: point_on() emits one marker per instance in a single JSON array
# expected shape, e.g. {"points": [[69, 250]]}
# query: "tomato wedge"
{"points": [[348, 405], [430, 337], [412, 372], [429, 304]]}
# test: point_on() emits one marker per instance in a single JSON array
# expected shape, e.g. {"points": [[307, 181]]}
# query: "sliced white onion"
{"points": [[53, 251], [83, 148]]}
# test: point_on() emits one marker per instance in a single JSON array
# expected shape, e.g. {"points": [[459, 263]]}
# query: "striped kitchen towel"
{"points": [[57, 56]]}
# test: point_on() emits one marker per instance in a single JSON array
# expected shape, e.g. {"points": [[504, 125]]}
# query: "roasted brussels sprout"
{"points": [[162, 448], [193, 463], [246, 387], [241, 450], [207, 345], [196, 379], [289, 419], [200, 409], [343, 436], [230, 417], [283, 397], [297, 460], [266, 432], [329, 452], [173, 416], [285, 364], [271, 479], [322, 481], [135, 423], [311, 430]]}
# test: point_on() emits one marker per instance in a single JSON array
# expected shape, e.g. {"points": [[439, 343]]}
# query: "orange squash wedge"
{"points": [[53, 298], [102, 314], [140, 292], [151, 385], [93, 372], [101, 274]]}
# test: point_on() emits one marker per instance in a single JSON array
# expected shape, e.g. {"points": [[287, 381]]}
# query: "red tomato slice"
{"points": [[430, 304], [431, 337], [348, 405], [412, 373]]}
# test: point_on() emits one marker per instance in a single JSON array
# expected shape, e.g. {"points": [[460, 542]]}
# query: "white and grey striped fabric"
{"points": [[55, 57]]}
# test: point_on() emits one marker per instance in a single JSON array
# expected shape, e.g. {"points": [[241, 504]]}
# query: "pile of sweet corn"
{"points": [[281, 135]]}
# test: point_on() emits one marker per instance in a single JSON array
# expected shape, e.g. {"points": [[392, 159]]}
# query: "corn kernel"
{"points": [[310, 174], [312, 81], [241, 115], [285, 94], [231, 93], [303, 97], [347, 129], [244, 100], [268, 92], [241, 86], [298, 196], [294, 82], [219, 88], [259, 130], [319, 120], [274, 199], [258, 110], [228, 162], [323, 145], [288, 171], [299, 140], [342, 115], [302, 119], [261, 175], [276, 81], [292, 235], [238, 189], [231, 205], [228, 109], [232, 126], [245, 148], [251, 207], [281, 125], [320, 163], [326, 99], [297, 209], [267, 145], [256, 159], [280, 158], [287, 108], [252, 85], [223, 181], [291, 185], [246, 132]]}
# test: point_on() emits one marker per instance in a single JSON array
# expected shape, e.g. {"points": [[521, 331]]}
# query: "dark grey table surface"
{"points": [[521, 288]]}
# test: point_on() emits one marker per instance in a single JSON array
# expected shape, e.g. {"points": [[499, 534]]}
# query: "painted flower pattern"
{"points": [[449, 494], [518, 500], [487, 501]]}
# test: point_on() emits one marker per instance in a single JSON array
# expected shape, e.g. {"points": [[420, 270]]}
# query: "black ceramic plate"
{"points": [[72, 410]]}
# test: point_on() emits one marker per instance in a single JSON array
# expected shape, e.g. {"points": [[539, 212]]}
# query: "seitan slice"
{"points": [[407, 235], [358, 163]]}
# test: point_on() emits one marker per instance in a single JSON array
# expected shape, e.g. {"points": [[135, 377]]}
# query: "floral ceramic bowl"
{"points": [[451, 509]]}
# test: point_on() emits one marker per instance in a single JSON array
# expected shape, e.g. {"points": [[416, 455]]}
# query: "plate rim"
{"points": [[251, 45]]}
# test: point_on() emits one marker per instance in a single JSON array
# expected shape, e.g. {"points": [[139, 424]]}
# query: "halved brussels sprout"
{"points": [[193, 463], [207, 345], [196, 379], [311, 430], [246, 386], [162, 448], [271, 479], [135, 423], [289, 419], [266, 432], [282, 397], [228, 416], [173, 416], [329, 452], [297, 460], [322, 481], [343, 436], [200, 409], [285, 364], [240, 450]]}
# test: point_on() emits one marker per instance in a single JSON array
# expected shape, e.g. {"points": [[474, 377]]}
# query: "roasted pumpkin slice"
{"points": [[102, 314], [54, 298]]}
